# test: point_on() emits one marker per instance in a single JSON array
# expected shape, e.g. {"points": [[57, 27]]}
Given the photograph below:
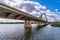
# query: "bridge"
{"points": [[13, 13]]}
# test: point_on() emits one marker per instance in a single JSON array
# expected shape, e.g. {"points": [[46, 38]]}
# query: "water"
{"points": [[18, 32]]}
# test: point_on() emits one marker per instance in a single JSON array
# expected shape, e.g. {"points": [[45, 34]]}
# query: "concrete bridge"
{"points": [[13, 13]]}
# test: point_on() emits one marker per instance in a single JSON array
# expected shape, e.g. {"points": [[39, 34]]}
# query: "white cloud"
{"points": [[52, 16], [25, 5], [43, 8], [56, 10], [48, 11], [30, 6]]}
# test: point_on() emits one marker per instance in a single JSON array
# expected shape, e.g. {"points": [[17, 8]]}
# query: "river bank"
{"points": [[15, 22], [55, 24]]}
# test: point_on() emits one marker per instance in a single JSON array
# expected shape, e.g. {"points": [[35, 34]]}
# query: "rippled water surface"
{"points": [[18, 32]]}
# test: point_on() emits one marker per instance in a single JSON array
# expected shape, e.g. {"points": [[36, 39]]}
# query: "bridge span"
{"points": [[13, 13]]}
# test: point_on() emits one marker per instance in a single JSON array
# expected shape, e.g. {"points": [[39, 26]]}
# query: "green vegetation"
{"points": [[56, 24]]}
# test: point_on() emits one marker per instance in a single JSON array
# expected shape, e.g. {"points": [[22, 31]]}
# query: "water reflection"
{"points": [[38, 27], [18, 32], [28, 33]]}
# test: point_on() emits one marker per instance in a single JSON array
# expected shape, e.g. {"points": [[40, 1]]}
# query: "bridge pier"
{"points": [[27, 24]]}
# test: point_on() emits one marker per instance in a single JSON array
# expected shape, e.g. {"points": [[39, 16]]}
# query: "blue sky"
{"points": [[50, 4]]}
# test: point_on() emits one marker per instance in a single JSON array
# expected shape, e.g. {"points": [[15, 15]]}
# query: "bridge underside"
{"points": [[12, 13]]}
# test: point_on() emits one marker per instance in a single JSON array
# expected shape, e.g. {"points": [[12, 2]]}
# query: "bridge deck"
{"points": [[13, 13]]}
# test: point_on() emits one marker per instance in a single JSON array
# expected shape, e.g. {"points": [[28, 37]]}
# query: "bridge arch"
{"points": [[42, 16]]}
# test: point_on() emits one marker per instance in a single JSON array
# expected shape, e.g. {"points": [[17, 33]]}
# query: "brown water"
{"points": [[18, 32]]}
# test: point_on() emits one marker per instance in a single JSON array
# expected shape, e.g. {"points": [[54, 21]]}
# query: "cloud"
{"points": [[56, 10], [48, 11], [25, 5], [29, 6], [34, 8], [52, 16]]}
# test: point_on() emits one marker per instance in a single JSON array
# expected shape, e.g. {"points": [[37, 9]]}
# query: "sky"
{"points": [[50, 4], [37, 7]]}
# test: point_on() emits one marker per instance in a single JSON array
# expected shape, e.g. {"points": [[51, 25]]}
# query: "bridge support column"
{"points": [[27, 24]]}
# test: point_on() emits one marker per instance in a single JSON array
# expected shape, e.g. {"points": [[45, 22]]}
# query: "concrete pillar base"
{"points": [[27, 24]]}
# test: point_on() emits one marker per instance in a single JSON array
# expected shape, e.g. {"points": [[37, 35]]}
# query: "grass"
{"points": [[55, 24]]}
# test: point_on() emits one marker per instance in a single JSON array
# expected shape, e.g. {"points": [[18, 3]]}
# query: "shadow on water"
{"points": [[28, 33], [38, 27]]}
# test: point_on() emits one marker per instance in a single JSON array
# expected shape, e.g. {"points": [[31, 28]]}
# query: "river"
{"points": [[18, 32]]}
